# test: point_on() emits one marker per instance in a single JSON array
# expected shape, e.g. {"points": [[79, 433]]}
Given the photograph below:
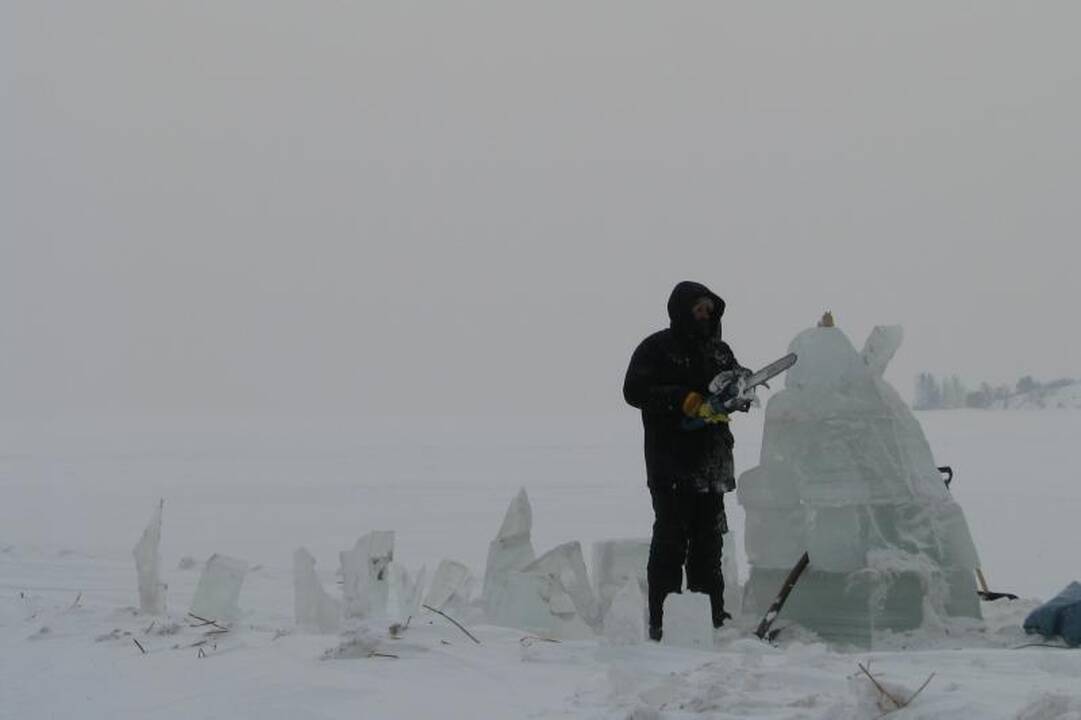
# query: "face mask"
{"points": [[704, 327], [702, 317]]}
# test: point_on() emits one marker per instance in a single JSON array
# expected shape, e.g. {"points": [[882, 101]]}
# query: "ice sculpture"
{"points": [[218, 589], [148, 566], [315, 610], [511, 550], [366, 580], [847, 475]]}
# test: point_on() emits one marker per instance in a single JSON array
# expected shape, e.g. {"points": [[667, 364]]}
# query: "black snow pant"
{"points": [[687, 528]]}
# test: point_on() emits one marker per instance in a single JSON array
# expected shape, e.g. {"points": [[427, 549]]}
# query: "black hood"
{"points": [[684, 296]]}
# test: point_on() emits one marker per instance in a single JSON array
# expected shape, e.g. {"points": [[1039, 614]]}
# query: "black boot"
{"points": [[656, 612], [716, 606]]}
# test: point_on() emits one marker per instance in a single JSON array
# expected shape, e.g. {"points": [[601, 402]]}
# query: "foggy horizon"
{"points": [[265, 208]]}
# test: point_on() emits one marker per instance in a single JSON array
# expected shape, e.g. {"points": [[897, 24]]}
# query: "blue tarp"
{"points": [[1060, 616]]}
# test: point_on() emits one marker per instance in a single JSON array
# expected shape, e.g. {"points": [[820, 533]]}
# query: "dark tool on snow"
{"points": [[983, 592], [947, 474], [986, 594], [731, 390], [782, 596]]}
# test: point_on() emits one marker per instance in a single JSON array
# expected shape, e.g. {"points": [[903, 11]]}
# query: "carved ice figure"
{"points": [[847, 475]]}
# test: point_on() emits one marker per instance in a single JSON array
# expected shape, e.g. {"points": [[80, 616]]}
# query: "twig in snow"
{"points": [[204, 621], [200, 654], [925, 684], [896, 703], [149, 627], [141, 648], [458, 624], [76, 603], [528, 639], [383, 655]]}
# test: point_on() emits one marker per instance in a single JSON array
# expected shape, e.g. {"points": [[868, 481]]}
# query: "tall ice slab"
{"points": [[846, 474]]}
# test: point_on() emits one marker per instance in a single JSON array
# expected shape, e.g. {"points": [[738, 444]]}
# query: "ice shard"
{"points": [[315, 609], [733, 591], [566, 566], [148, 566], [218, 590], [551, 596], [366, 580], [688, 620], [404, 592], [538, 603], [452, 587], [511, 550], [625, 620], [615, 563]]}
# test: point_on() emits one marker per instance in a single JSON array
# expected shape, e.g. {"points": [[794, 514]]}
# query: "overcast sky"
{"points": [[296, 208]]}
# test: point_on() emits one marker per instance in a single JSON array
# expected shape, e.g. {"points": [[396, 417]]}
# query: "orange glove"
{"points": [[692, 403], [696, 407]]}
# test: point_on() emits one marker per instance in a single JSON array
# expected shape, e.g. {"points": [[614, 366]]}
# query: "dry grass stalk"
{"points": [[203, 621], [897, 704], [458, 624]]}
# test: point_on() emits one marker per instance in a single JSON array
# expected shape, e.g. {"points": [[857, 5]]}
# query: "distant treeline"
{"points": [[950, 392]]}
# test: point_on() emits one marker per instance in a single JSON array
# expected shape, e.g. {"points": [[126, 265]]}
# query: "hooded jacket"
{"points": [[667, 366]]}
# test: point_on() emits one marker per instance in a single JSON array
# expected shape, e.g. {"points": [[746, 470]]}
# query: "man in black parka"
{"points": [[687, 470]]}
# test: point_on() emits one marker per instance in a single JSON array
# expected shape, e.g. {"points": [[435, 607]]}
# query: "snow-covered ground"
{"points": [[73, 501]]}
